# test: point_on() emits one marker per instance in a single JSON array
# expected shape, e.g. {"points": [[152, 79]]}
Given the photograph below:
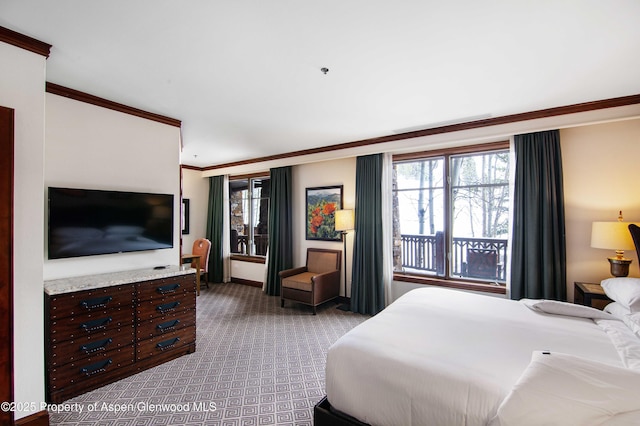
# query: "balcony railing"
{"points": [[240, 244], [482, 258]]}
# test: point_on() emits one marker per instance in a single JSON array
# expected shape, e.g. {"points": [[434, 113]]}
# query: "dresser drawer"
{"points": [[149, 309], [90, 323], [98, 367], [165, 343], [88, 346], [157, 289], [82, 302], [165, 324]]}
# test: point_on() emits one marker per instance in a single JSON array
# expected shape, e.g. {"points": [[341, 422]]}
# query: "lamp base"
{"points": [[619, 267]]}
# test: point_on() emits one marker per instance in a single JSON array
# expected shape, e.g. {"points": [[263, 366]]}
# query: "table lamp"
{"points": [[614, 236], [344, 223]]}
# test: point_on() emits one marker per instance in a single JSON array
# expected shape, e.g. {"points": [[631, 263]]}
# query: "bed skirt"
{"points": [[325, 415]]}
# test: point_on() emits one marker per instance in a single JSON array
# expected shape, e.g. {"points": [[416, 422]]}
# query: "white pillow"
{"points": [[617, 310], [556, 307], [561, 389], [625, 291]]}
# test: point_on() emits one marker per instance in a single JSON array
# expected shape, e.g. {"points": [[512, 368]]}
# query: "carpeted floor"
{"points": [[255, 364]]}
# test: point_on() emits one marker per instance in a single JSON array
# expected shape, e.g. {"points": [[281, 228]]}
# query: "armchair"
{"points": [[315, 283]]}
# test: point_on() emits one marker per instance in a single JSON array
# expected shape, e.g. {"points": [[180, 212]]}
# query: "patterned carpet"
{"points": [[255, 364]]}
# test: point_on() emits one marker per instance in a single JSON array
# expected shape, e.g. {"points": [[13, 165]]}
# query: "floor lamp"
{"points": [[344, 223]]}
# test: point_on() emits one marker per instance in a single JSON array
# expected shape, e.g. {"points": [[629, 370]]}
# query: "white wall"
{"points": [[324, 173], [97, 148], [22, 80], [249, 271], [601, 177], [196, 189]]}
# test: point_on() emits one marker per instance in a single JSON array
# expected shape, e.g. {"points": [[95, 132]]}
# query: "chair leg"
{"points": [[206, 279], [282, 303]]}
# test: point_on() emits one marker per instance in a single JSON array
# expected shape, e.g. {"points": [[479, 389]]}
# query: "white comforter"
{"points": [[444, 357], [560, 389]]}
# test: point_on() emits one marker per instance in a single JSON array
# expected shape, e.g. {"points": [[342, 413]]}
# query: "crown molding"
{"points": [[25, 42], [487, 122], [77, 95]]}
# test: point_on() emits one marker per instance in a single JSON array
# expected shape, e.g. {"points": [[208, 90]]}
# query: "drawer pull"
{"points": [[98, 367], [98, 324], [167, 307], [170, 288], [100, 302], [167, 344], [169, 325], [96, 346]]}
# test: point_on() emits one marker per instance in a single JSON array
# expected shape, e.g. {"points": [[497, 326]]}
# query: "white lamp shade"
{"points": [[344, 220], [611, 235]]}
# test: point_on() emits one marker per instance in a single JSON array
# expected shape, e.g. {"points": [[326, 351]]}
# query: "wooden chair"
{"points": [[202, 247], [315, 283]]}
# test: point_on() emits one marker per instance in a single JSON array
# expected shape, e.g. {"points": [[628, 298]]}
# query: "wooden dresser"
{"points": [[102, 328]]}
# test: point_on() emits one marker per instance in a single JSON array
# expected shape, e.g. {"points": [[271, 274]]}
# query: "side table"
{"points": [[586, 293]]}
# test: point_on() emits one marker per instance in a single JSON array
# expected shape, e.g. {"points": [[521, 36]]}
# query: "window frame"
{"points": [[447, 280], [249, 177]]}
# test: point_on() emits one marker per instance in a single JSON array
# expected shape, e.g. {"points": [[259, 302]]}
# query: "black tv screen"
{"points": [[85, 222]]}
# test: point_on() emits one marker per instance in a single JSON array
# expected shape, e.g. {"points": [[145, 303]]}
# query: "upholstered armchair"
{"points": [[315, 283]]}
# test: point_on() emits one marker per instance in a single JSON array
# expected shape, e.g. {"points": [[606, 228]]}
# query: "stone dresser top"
{"points": [[89, 282]]}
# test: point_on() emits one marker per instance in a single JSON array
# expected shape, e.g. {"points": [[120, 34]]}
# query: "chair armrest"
{"points": [[289, 272], [326, 277], [326, 285]]}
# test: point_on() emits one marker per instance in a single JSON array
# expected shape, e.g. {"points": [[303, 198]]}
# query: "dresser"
{"points": [[102, 328]]}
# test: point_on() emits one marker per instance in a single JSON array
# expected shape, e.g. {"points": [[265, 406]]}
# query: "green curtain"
{"points": [[367, 278], [215, 228], [280, 256], [538, 256]]}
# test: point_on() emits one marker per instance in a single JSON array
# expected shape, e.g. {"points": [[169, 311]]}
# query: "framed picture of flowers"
{"points": [[322, 202]]}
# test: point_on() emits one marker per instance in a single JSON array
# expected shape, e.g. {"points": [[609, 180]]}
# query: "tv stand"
{"points": [[102, 328]]}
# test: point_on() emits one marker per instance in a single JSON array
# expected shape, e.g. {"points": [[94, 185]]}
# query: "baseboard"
{"points": [[246, 282], [41, 418], [343, 300]]}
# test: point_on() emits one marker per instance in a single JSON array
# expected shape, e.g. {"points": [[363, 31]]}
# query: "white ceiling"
{"points": [[244, 75]]}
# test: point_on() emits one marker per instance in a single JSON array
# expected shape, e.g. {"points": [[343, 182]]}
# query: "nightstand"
{"points": [[587, 293]]}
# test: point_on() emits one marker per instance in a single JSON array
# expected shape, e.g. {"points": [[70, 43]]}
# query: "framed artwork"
{"points": [[185, 216], [321, 203]]}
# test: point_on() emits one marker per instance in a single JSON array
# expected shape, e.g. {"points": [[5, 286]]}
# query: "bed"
{"points": [[444, 357]]}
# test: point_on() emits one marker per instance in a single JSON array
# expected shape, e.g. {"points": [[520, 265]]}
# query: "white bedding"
{"points": [[560, 389], [444, 357]]}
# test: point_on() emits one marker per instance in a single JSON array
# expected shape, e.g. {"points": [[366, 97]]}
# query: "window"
{"points": [[249, 211], [451, 214]]}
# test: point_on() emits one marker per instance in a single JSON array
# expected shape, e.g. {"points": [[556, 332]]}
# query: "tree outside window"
{"points": [[451, 215]]}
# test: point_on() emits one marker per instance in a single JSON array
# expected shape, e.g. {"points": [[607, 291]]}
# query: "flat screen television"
{"points": [[85, 222]]}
